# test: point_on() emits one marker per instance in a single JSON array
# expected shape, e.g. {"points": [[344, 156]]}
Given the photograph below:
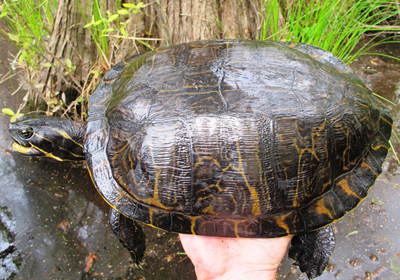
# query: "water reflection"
{"points": [[10, 257]]}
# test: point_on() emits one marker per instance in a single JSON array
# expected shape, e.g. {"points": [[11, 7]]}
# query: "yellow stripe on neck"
{"points": [[49, 155], [65, 135]]}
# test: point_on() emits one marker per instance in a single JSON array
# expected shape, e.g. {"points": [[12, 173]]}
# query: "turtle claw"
{"points": [[312, 251], [130, 234]]}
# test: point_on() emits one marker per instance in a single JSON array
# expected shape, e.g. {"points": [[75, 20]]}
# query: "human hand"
{"points": [[235, 258]]}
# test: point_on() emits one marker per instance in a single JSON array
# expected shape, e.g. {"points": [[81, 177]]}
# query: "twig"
{"points": [[17, 90]]}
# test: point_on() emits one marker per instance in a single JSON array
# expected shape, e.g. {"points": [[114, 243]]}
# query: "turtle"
{"points": [[230, 138]]}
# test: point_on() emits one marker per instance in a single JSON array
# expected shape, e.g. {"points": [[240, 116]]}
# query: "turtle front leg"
{"points": [[130, 234], [312, 250]]}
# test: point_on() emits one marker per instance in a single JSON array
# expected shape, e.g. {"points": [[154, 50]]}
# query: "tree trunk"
{"points": [[63, 82], [179, 21], [168, 21]]}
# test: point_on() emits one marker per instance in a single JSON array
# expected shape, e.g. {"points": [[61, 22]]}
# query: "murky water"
{"points": [[53, 221]]}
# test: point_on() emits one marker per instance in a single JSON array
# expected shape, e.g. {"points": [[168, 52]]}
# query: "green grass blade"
{"points": [[383, 98]]}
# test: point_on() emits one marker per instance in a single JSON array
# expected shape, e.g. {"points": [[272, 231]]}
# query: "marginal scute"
{"points": [[160, 218], [143, 213], [379, 148], [385, 123], [225, 227], [282, 224], [350, 190], [96, 137], [183, 223], [249, 228], [322, 211], [124, 203]]}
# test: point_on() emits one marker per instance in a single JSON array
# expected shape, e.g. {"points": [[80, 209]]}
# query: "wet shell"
{"points": [[235, 138]]}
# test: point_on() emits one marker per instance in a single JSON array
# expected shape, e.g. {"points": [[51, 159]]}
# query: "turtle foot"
{"points": [[130, 234], [312, 251]]}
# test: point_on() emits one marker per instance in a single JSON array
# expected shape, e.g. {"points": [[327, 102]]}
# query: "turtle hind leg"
{"points": [[312, 250], [130, 234]]}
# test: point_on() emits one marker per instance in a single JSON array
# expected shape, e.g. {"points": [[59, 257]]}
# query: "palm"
{"points": [[234, 258]]}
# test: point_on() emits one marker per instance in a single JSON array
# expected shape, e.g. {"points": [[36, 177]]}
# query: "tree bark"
{"points": [[179, 21], [170, 21]]}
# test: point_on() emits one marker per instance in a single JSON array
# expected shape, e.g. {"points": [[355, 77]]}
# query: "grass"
{"points": [[29, 25], [335, 26], [108, 28]]}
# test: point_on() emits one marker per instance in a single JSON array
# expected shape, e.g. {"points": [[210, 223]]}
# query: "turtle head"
{"points": [[48, 137]]}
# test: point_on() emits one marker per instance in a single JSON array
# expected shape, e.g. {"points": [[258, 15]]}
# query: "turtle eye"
{"points": [[26, 133]]}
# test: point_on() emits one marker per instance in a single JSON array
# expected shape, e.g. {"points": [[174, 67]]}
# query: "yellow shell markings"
{"points": [[346, 155], [155, 200], [266, 195], [209, 209], [235, 226], [321, 209], [104, 167], [125, 150], [300, 152], [172, 56], [170, 183], [280, 221], [199, 104], [193, 223], [200, 161], [151, 211], [345, 187], [378, 147], [253, 192], [347, 164], [387, 121], [364, 164]]}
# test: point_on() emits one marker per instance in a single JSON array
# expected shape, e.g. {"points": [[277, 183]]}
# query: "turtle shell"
{"points": [[235, 138]]}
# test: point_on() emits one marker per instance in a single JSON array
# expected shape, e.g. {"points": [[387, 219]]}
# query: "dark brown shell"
{"points": [[235, 138]]}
